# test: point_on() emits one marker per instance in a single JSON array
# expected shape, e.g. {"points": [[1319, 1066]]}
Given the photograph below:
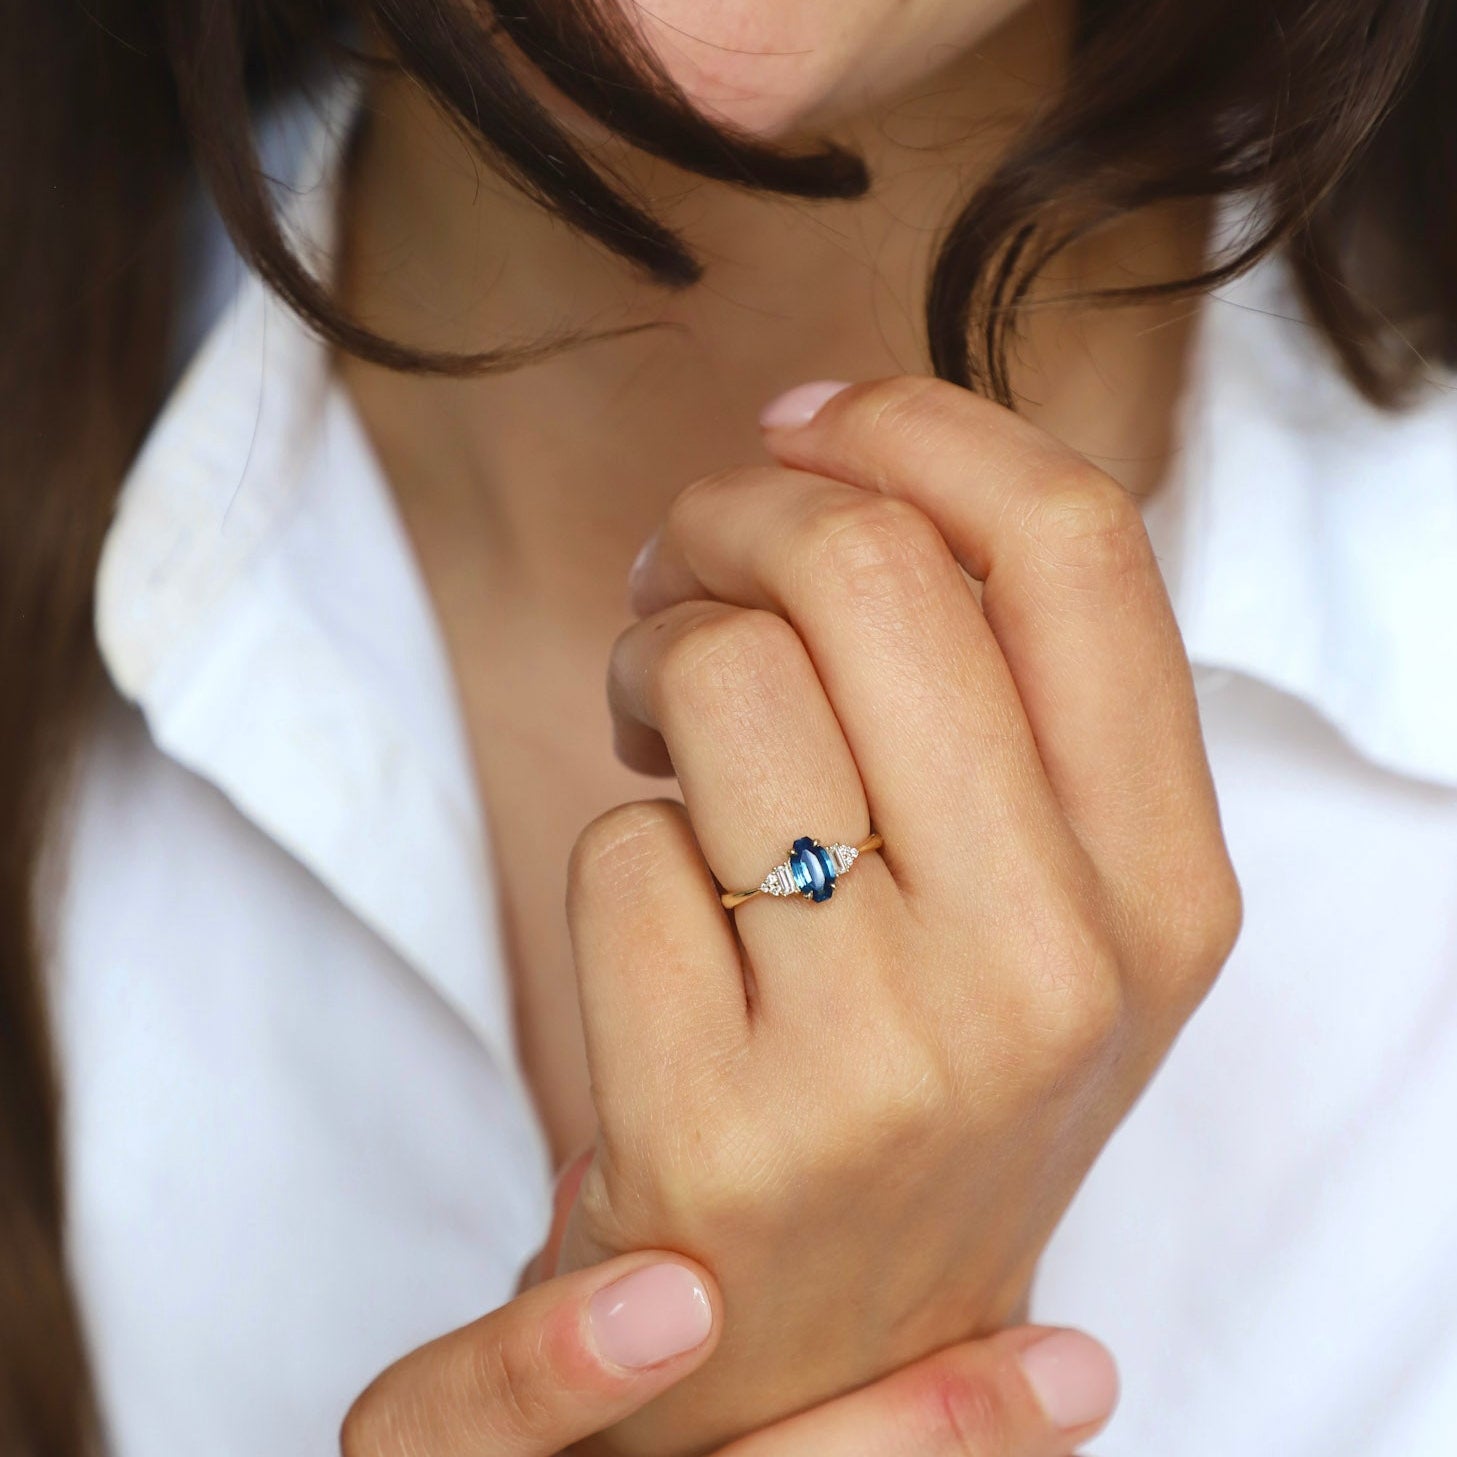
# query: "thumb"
{"points": [[560, 1362]]}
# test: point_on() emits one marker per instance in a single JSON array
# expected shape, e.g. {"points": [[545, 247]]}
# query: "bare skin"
{"points": [[541, 1376], [527, 495]]}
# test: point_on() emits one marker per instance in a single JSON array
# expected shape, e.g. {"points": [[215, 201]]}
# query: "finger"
{"points": [[1024, 1393], [658, 968], [543, 1265], [1071, 589], [894, 632], [557, 1364], [564, 1195], [761, 760]]}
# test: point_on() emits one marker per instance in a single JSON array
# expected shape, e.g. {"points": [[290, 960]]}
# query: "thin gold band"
{"points": [[732, 898]]}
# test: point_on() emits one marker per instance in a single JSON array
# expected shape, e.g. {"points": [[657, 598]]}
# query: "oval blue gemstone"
{"points": [[812, 868]]}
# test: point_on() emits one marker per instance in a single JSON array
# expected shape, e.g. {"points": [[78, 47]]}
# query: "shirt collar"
{"points": [[1310, 539], [258, 599]]}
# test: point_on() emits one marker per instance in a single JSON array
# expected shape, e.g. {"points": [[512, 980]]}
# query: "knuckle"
{"points": [[729, 653], [1197, 935], [870, 545], [366, 1431], [1073, 1001], [1080, 1013], [619, 842], [715, 1186], [898, 1086], [912, 409], [1085, 524], [703, 494], [509, 1381], [1224, 917]]}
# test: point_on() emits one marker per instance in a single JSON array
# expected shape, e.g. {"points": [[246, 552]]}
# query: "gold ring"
{"points": [[810, 871]]}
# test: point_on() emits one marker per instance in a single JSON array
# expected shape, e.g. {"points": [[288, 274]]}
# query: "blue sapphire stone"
{"points": [[812, 868]]}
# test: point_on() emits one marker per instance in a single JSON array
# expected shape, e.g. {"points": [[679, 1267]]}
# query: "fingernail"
{"points": [[1073, 1378], [639, 567], [649, 1316], [800, 405]]}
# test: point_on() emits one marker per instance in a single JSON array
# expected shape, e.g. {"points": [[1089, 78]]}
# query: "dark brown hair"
{"points": [[1336, 115]]}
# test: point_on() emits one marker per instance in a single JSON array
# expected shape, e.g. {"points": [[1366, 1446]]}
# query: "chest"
{"points": [[541, 739]]}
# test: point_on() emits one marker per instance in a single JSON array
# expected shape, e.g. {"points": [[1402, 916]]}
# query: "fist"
{"points": [[866, 1114]]}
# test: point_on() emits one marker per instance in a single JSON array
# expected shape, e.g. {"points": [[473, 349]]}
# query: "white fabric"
{"points": [[299, 1142]]}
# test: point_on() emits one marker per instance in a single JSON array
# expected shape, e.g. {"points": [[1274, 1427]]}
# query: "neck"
{"points": [[555, 472]]}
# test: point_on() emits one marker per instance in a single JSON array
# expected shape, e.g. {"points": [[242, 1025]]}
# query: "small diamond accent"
{"points": [[779, 881], [844, 857]]}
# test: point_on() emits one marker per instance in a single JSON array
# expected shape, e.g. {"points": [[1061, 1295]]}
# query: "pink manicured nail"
{"points": [[646, 1317], [1073, 1378], [800, 405], [640, 564]]}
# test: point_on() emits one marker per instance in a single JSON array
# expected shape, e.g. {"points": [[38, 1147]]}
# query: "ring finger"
{"points": [[761, 759]]}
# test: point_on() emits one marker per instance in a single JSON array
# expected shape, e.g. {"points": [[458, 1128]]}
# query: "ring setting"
{"points": [[810, 871]]}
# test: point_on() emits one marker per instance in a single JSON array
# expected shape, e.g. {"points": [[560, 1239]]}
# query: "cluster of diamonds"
{"points": [[780, 880]]}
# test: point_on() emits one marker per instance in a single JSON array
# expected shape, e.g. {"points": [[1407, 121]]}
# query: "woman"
{"points": [[320, 1036]]}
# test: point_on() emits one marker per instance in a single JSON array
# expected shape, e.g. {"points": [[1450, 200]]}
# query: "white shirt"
{"points": [[299, 1140]]}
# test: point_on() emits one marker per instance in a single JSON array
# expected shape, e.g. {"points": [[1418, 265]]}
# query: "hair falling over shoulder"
{"points": [[1335, 114]]}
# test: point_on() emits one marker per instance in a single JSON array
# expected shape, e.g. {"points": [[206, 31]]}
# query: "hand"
{"points": [[575, 1355], [866, 1116]]}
